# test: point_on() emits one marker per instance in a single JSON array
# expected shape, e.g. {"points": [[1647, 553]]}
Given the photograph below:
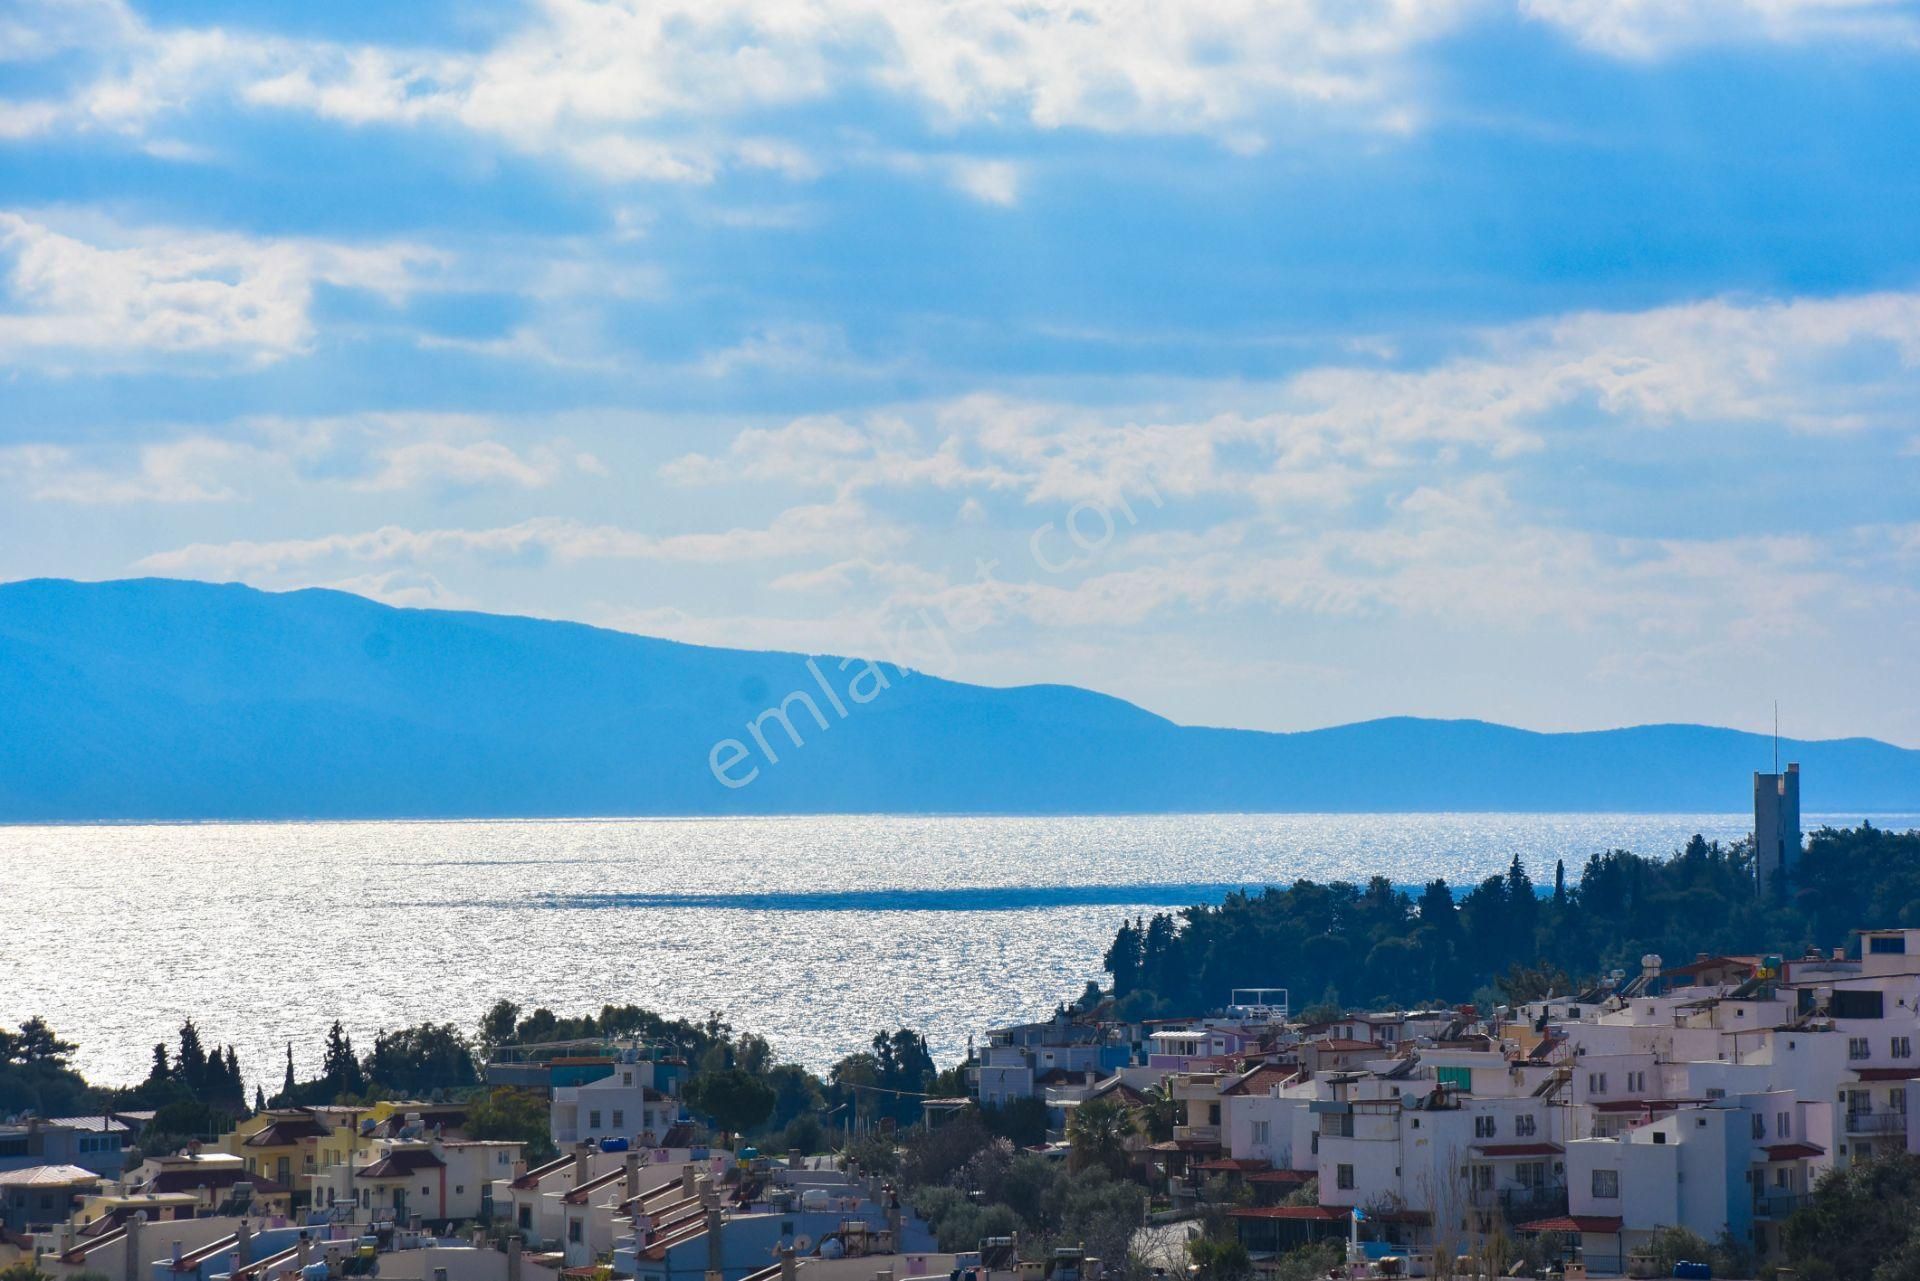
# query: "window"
{"points": [[1759, 1126], [526, 1218], [619, 1119], [1856, 1005], [459, 1189], [1343, 1176], [1606, 1185], [593, 1119], [573, 1231], [1897, 1101], [626, 1078], [1483, 1177], [1859, 1102], [1888, 945], [1902, 1047], [1857, 1047], [1484, 1127], [1783, 1125], [1523, 1126], [1596, 1083], [1262, 1131], [1636, 1083]]}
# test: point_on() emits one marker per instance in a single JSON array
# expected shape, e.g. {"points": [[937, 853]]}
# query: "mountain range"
{"points": [[159, 699]]}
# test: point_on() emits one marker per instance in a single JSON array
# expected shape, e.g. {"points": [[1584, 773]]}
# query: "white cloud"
{"points": [[649, 90], [1651, 28], [153, 291], [1324, 437], [191, 470], [799, 531]]}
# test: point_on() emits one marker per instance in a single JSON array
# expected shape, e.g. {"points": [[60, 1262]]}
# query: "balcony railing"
{"points": [[1523, 1204], [1197, 1133], [1779, 1205], [1876, 1123]]}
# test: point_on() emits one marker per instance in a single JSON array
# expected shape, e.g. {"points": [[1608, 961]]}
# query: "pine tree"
{"points": [[162, 1070], [191, 1069], [340, 1069], [287, 1089]]}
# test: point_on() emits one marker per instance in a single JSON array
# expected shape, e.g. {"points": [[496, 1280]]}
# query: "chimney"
{"points": [[788, 1268], [633, 1175], [582, 1163], [1839, 953], [134, 1266], [513, 1257], [304, 1253], [242, 1245], [716, 1245], [177, 1254], [688, 1174]]}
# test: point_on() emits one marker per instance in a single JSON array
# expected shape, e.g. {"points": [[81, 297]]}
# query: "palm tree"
{"points": [[1097, 1132], [1159, 1113]]}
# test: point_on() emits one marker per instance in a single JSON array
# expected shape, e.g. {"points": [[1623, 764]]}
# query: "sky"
{"points": [[1270, 363]]}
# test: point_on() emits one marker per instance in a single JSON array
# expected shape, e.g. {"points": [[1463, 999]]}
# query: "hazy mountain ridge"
{"points": [[176, 700]]}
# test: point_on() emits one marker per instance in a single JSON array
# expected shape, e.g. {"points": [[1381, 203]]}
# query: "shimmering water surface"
{"points": [[812, 931]]}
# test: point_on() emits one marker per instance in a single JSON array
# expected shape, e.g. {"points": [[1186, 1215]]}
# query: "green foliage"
{"points": [[1097, 1130], [931, 1158], [1674, 1245], [1022, 1122], [736, 1099], [24, 1270], [1220, 1260], [418, 1061], [1862, 1222], [1383, 945], [1308, 1262], [514, 1115], [874, 1155], [34, 1072]]}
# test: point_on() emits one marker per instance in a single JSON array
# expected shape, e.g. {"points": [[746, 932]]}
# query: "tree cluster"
{"points": [[1506, 937]]}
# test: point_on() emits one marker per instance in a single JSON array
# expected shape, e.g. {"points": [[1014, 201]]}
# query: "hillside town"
{"points": [[1709, 1096]]}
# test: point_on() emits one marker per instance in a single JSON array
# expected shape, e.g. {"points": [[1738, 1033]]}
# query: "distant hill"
{"points": [[160, 699]]}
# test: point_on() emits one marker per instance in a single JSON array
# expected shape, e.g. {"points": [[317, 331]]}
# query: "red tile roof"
{"points": [[1239, 1165], [1574, 1223], [1316, 1213], [1793, 1151], [1283, 1176], [398, 1164]]}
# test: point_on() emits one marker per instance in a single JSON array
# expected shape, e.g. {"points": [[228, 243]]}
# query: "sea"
{"points": [[813, 932]]}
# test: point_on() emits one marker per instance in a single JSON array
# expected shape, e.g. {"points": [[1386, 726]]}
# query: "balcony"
{"points": [[1197, 1133], [1779, 1205], [1876, 1123], [1520, 1204]]}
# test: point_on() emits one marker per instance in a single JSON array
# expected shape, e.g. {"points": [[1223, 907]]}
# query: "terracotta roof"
{"points": [[578, 1195], [1340, 1045], [1574, 1223], [531, 1179], [1313, 1213], [1261, 1079], [1518, 1149], [1238, 1164], [285, 1132], [395, 1165], [1793, 1151], [1283, 1176], [213, 1178], [1186, 1145]]}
